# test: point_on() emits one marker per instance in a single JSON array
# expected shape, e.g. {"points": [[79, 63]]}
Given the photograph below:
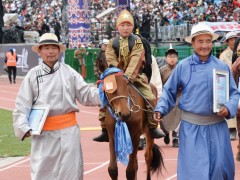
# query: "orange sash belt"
{"points": [[60, 121]]}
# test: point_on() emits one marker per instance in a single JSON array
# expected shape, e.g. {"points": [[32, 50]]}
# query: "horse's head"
{"points": [[236, 69], [116, 88]]}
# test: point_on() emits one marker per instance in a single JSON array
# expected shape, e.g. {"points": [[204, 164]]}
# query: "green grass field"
{"points": [[10, 146]]}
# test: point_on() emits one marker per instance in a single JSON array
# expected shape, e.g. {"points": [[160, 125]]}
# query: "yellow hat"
{"points": [[125, 16]]}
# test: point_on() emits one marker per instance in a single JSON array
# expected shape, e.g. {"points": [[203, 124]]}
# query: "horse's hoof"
{"points": [[167, 139]]}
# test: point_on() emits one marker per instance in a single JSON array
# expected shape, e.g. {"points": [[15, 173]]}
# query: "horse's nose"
{"points": [[125, 117]]}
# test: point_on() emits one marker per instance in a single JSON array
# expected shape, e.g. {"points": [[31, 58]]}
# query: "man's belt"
{"points": [[200, 119], [60, 121]]}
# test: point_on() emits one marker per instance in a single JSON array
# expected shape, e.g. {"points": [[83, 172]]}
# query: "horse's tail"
{"points": [[157, 163]]}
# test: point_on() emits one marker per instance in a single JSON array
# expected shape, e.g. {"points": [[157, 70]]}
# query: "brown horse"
{"points": [[127, 104], [236, 75]]}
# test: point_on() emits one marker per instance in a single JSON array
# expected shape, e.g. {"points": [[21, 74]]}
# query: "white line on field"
{"points": [[8, 167], [94, 169]]}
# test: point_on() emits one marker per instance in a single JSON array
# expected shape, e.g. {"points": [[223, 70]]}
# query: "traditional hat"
{"points": [[124, 16], [230, 35], [199, 29], [105, 41], [48, 38], [171, 51]]}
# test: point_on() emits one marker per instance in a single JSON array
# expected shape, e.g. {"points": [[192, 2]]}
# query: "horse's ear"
{"points": [[110, 84]]}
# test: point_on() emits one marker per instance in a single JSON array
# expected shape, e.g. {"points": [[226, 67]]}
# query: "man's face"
{"points": [[172, 59], [202, 45], [230, 43], [125, 29], [49, 54], [104, 46]]}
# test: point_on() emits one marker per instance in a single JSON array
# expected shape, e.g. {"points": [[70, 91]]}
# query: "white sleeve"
{"points": [[156, 77], [22, 109]]}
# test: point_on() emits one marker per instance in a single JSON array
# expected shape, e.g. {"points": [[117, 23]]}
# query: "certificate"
{"points": [[37, 118], [220, 89]]}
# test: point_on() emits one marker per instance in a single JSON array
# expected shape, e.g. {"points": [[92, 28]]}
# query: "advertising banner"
{"points": [[27, 59]]}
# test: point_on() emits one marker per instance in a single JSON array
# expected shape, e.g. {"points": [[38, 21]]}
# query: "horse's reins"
{"points": [[130, 99]]}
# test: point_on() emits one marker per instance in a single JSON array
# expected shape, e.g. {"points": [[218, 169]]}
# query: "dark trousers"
{"points": [[12, 70]]}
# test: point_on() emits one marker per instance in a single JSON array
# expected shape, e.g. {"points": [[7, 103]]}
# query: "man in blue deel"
{"points": [[205, 151]]}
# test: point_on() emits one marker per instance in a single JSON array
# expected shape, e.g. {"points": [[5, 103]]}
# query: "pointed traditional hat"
{"points": [[124, 16], [171, 50]]}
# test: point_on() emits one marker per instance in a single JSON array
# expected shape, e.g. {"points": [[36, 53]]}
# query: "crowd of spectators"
{"points": [[165, 13], [45, 15], [34, 15]]}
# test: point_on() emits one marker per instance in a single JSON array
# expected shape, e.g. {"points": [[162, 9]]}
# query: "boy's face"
{"points": [[104, 47], [125, 29], [172, 59]]}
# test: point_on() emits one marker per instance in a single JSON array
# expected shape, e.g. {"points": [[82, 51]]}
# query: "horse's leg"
{"points": [[131, 171], [112, 167], [238, 152], [153, 157], [238, 128], [148, 154]]}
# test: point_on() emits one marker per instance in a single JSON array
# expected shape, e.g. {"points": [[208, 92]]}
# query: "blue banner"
{"points": [[79, 23]]}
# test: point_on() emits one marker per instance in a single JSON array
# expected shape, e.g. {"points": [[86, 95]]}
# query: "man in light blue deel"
{"points": [[205, 151]]}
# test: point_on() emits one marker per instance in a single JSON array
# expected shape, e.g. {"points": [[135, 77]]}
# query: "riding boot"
{"points": [[103, 137], [155, 132]]}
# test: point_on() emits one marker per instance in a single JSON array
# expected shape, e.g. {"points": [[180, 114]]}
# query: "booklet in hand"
{"points": [[37, 118]]}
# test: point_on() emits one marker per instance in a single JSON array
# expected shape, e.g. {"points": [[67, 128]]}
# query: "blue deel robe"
{"points": [[205, 151]]}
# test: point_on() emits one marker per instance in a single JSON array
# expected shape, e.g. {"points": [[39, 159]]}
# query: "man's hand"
{"points": [[28, 134], [157, 116], [223, 112]]}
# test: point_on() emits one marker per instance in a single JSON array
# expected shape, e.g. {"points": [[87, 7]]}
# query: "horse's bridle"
{"points": [[135, 108], [129, 98]]}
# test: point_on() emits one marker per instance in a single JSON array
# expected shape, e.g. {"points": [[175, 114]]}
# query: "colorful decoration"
{"points": [[79, 23], [123, 4]]}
